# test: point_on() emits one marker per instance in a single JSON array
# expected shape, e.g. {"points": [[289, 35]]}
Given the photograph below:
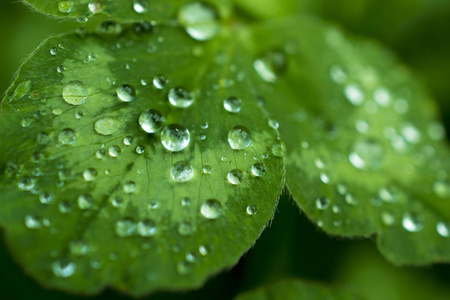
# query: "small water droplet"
{"points": [[354, 94], [367, 153], [412, 222], [75, 92], [203, 249], [100, 153], [140, 6], [117, 201], [67, 136], [26, 183], [207, 169], [259, 169], [382, 97], [180, 97], [160, 82], [251, 210], [65, 207], [95, 6], [106, 125], [182, 171], [270, 65], [411, 134], [279, 149], [239, 138], [65, 6], [389, 194], [125, 228], [235, 176], [129, 187], [85, 201], [126, 93], [183, 268], [140, 149], [351, 200], [322, 203], [232, 104], [175, 137], [53, 51], [33, 222], [90, 174], [273, 124], [79, 247], [211, 209], [443, 228], [114, 151], [63, 268], [153, 204], [151, 120], [146, 228], [45, 198], [185, 229], [185, 202], [387, 218], [442, 189], [200, 20]]}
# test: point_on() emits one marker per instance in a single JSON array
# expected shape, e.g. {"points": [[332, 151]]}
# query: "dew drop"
{"points": [[351, 200], [65, 207], [251, 210], [54, 51], [200, 20], [270, 65], [90, 174], [389, 194], [125, 228], [79, 247], [63, 269], [182, 171], [129, 187], [117, 201], [183, 268], [185, 229], [160, 82], [75, 92], [140, 149], [232, 104], [203, 250], [279, 149], [65, 6], [106, 125], [67, 136], [367, 154], [151, 120], [45, 198], [235, 176], [259, 169], [95, 6], [85, 201], [114, 151], [140, 6], [207, 169], [239, 138], [354, 94], [185, 202], [175, 137], [180, 97], [33, 222], [211, 209], [443, 228], [26, 183], [126, 93], [387, 218], [146, 228], [412, 222], [273, 124]]}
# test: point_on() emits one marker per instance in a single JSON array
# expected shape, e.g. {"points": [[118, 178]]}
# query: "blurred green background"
{"points": [[418, 31]]}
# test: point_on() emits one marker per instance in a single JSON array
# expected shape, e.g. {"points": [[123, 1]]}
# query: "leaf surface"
{"points": [[89, 199], [365, 152]]}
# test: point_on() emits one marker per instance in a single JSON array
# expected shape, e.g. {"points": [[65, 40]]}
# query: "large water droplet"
{"points": [[367, 154], [239, 138], [259, 169], [126, 93], [151, 120], [106, 125], [63, 269], [175, 137], [67, 136], [146, 228], [412, 222], [200, 20], [270, 65], [75, 92], [235, 176], [125, 227], [180, 97], [182, 171], [232, 104], [211, 209]]}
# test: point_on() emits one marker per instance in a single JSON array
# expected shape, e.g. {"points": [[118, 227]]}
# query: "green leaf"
{"points": [[296, 289], [364, 149], [89, 199], [121, 10]]}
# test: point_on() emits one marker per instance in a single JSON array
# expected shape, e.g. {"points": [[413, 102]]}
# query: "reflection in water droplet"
{"points": [[251, 210], [232, 104], [412, 222], [443, 228], [146, 228], [67, 136], [239, 138], [126, 93], [211, 209], [182, 171], [367, 154], [200, 20], [259, 169], [175, 137], [180, 97], [106, 125], [235, 176], [63, 269], [151, 120], [270, 65], [75, 92]]}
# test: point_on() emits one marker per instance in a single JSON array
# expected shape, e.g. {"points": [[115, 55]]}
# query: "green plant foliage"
{"points": [[120, 10], [365, 152], [98, 201], [296, 289]]}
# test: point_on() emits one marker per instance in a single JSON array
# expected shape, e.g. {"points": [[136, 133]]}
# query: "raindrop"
{"points": [[183, 268], [106, 125], [389, 194], [185, 202], [200, 20], [45, 198], [412, 222], [160, 82], [175, 137], [90, 174], [367, 153], [67, 136], [125, 227], [63, 269], [182, 171], [251, 210], [232, 104], [140, 6], [382, 97], [117, 201], [79, 247], [43, 138], [387, 218], [270, 65], [127, 140], [85, 201], [129, 187], [207, 169], [146, 228], [324, 178], [203, 249], [26, 183], [235, 176], [100, 153], [185, 229], [153, 204], [180, 97], [114, 151], [54, 51], [151, 120], [33, 222], [126, 93], [65, 207], [351, 200], [279, 149], [95, 6], [354, 94], [75, 92], [443, 228], [273, 124], [239, 138], [259, 169], [322, 203], [65, 6], [140, 149], [211, 209]]}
